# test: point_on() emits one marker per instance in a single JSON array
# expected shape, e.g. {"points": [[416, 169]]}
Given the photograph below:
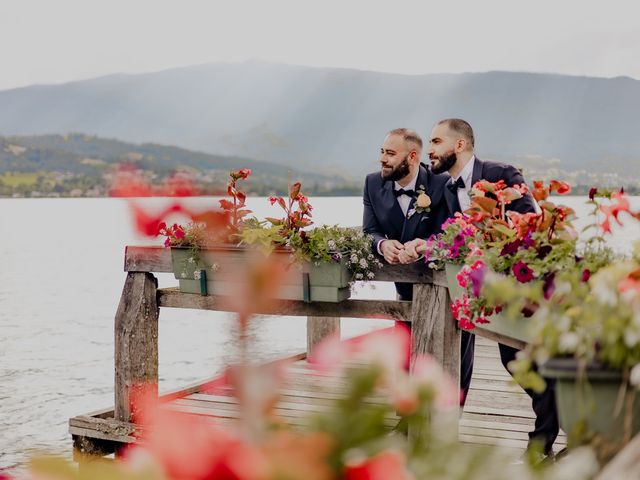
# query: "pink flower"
{"points": [[522, 272], [385, 465]]}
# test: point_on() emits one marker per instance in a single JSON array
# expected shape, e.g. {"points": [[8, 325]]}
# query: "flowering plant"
{"points": [[360, 435], [423, 202], [528, 246], [590, 311]]}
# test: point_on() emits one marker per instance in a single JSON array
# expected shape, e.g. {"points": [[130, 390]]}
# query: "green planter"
{"points": [[519, 328], [327, 282], [587, 406]]}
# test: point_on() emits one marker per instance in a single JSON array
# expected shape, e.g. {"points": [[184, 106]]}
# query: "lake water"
{"points": [[61, 276]]}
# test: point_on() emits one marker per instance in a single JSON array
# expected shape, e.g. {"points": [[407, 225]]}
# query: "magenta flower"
{"points": [[586, 274], [522, 272], [510, 248], [592, 193], [549, 285], [477, 279]]}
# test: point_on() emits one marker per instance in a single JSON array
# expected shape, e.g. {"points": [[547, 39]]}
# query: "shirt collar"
{"points": [[467, 173], [410, 186]]}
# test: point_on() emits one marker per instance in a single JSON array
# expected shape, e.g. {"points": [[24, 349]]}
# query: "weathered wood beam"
{"points": [[389, 309], [158, 259], [433, 328], [136, 342], [497, 337], [319, 328]]}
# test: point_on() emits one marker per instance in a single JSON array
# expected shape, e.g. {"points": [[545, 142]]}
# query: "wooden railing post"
{"points": [[318, 328], [136, 342], [433, 328]]}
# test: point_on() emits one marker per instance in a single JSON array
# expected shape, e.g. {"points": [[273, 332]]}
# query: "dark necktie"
{"points": [[402, 191], [455, 186]]}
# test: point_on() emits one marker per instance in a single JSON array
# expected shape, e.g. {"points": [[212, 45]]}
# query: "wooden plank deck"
{"points": [[496, 413]]}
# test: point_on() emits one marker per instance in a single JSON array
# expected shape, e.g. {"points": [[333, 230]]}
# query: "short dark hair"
{"points": [[408, 135], [461, 127]]}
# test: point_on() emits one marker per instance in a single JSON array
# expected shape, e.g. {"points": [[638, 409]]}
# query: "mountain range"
{"points": [[334, 120]]}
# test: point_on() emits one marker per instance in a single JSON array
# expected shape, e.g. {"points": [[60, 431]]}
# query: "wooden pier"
{"points": [[496, 412]]}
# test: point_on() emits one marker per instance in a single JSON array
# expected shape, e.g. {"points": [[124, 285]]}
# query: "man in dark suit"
{"points": [[393, 216], [452, 150]]}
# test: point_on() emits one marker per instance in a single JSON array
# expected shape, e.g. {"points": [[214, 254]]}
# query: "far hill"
{"points": [[62, 163], [333, 120]]}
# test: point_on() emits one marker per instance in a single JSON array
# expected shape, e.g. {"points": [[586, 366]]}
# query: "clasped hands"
{"points": [[395, 252]]}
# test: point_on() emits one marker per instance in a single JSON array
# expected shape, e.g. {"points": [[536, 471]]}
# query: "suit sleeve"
{"points": [[525, 204], [370, 223]]}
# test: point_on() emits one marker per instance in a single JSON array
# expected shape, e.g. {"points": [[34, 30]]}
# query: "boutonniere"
{"points": [[423, 201]]}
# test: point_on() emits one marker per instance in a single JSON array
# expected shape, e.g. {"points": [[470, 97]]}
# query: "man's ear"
{"points": [[461, 145]]}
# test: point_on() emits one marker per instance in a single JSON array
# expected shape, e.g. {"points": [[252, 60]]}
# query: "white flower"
{"points": [[371, 275], [192, 260], [431, 265], [634, 378], [370, 256], [183, 274], [196, 274], [568, 342], [331, 244], [359, 276], [364, 263], [353, 258], [564, 323], [215, 267], [631, 337]]}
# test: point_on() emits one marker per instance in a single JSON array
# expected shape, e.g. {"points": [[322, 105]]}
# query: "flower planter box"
{"points": [[519, 328], [324, 282], [591, 400]]}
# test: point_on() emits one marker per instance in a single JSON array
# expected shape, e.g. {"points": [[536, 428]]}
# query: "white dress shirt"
{"points": [[467, 175], [403, 200]]}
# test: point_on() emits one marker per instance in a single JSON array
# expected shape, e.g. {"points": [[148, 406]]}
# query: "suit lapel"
{"points": [[391, 205], [477, 172]]}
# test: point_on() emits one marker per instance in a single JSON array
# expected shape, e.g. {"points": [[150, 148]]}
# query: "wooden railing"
{"points": [[136, 324]]}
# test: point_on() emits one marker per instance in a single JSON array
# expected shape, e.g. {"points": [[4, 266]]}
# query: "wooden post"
{"points": [[136, 342], [433, 328], [318, 328]]}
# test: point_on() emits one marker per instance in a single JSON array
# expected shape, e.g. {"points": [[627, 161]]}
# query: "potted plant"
{"points": [[489, 237], [587, 338], [321, 263]]}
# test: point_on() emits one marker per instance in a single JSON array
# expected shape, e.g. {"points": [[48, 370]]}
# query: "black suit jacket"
{"points": [[493, 172], [383, 217]]}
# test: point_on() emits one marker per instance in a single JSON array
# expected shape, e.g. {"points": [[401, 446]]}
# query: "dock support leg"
{"points": [[136, 343], [318, 328]]}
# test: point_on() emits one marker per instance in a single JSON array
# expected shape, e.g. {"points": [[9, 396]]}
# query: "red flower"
{"points": [[586, 274], [540, 192], [592, 193], [561, 187], [383, 466], [522, 272]]}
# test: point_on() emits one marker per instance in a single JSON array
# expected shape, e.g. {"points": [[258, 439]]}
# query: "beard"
{"points": [[444, 162], [398, 172]]}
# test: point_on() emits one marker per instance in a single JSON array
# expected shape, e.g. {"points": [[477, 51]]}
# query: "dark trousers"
{"points": [[544, 406]]}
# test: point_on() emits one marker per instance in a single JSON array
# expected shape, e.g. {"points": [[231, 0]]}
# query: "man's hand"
{"points": [[409, 253], [391, 250]]}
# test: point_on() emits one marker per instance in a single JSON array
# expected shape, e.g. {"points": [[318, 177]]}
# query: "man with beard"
{"points": [[394, 216], [452, 150]]}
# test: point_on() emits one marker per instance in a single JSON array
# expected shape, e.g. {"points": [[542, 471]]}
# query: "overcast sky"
{"points": [[47, 41]]}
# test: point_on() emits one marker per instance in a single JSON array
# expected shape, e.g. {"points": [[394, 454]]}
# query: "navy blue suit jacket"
{"points": [[493, 172], [383, 217]]}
